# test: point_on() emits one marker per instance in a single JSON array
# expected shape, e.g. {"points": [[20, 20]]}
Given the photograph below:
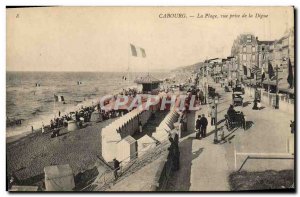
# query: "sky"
{"points": [[98, 38]]}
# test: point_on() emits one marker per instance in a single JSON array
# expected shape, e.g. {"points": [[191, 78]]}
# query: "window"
{"points": [[253, 49], [244, 49], [249, 38], [244, 57], [253, 57]]}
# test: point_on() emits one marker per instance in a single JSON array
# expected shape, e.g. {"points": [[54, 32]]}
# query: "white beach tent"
{"points": [[109, 138], [59, 178], [126, 149], [144, 144]]}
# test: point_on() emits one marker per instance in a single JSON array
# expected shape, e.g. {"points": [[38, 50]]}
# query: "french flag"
{"points": [[137, 51]]}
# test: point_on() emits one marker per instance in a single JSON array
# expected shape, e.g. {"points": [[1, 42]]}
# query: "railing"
{"points": [[108, 177], [249, 155]]}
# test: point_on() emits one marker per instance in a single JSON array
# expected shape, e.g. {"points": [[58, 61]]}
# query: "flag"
{"points": [[143, 52], [137, 51], [59, 98], [290, 77], [133, 50], [270, 70]]}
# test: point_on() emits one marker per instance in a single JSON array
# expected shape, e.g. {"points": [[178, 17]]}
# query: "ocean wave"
{"points": [[36, 111], [36, 104]]}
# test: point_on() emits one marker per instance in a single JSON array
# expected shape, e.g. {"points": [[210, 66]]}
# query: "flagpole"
{"points": [[128, 56], [128, 62], [54, 105]]}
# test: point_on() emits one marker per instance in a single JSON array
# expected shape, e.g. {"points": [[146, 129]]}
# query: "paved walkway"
{"points": [[205, 166], [212, 174], [268, 137]]}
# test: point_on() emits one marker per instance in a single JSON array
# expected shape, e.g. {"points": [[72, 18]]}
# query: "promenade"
{"points": [[205, 166]]}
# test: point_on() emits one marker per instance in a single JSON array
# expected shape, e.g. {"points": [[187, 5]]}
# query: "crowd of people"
{"points": [[84, 113]]}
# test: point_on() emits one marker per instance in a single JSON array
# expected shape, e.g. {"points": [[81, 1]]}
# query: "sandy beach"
{"points": [[29, 153], [28, 156]]}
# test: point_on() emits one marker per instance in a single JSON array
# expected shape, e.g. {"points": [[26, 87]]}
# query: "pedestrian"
{"points": [[32, 129], [116, 167], [231, 112], [256, 100], [213, 115], [172, 157], [43, 128], [244, 121], [204, 123], [292, 125], [51, 124], [184, 121], [255, 107], [58, 113], [198, 125]]}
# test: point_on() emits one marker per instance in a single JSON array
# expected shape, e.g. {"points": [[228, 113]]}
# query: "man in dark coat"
{"points": [[204, 123], [198, 125]]}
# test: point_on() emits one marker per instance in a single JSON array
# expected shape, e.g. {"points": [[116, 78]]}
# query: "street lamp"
{"points": [[216, 101]]}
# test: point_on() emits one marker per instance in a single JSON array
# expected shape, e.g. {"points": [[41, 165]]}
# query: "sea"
{"points": [[35, 104]]}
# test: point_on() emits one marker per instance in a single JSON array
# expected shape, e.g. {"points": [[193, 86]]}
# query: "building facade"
{"points": [[244, 49], [249, 51]]}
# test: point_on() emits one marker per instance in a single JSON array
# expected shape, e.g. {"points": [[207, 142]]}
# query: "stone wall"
{"points": [[285, 104]]}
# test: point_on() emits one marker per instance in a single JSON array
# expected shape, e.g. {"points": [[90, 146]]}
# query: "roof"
{"points": [[147, 79], [129, 139], [53, 172], [146, 139]]}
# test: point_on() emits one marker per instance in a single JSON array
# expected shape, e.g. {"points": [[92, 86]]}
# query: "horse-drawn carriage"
{"points": [[235, 119], [211, 92], [239, 88]]}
